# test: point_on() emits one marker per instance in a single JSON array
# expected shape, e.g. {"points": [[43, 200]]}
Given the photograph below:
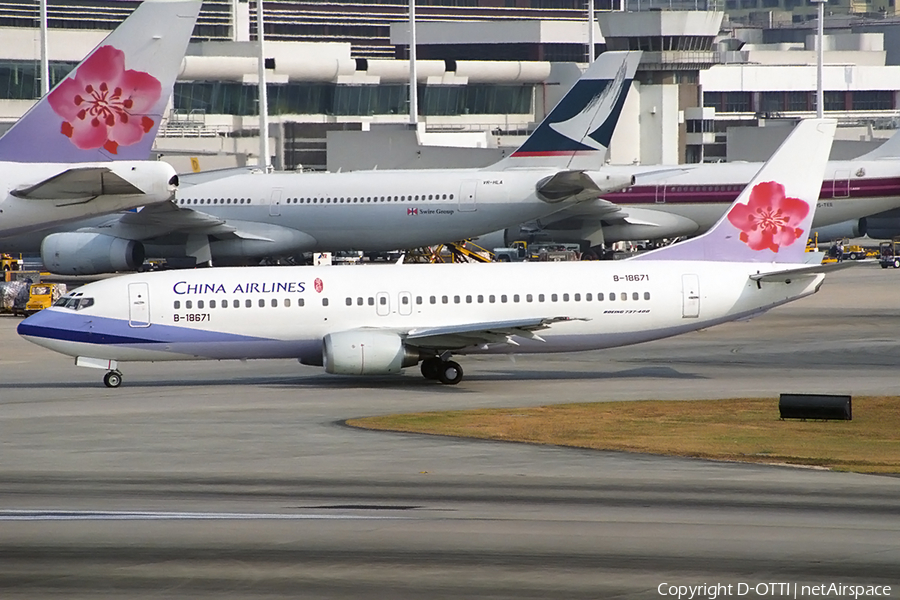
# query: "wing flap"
{"points": [[78, 183]]}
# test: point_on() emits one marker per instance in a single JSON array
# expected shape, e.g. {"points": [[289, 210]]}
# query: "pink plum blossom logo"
{"points": [[770, 219], [318, 285], [104, 104]]}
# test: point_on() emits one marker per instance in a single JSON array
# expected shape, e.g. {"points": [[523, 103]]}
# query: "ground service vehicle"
{"points": [[890, 254]]}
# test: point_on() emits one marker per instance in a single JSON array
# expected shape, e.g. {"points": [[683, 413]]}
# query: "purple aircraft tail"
{"points": [[770, 220], [110, 106]]}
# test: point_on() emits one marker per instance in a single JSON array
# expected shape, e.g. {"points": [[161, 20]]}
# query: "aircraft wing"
{"points": [[167, 218], [475, 334], [79, 183]]}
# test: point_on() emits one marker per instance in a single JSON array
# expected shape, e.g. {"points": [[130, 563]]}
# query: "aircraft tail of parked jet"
{"points": [[577, 132], [889, 149], [111, 105], [770, 220]]}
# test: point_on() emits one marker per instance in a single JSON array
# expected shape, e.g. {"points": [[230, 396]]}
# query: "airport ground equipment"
{"points": [[889, 254], [43, 295]]}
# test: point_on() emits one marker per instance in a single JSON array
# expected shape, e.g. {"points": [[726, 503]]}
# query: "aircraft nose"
{"points": [[47, 324]]}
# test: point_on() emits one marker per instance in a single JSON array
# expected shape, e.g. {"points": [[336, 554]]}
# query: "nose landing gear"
{"points": [[112, 379], [447, 372]]}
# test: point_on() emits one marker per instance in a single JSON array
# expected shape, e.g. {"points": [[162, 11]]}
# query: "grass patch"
{"points": [[747, 430]]}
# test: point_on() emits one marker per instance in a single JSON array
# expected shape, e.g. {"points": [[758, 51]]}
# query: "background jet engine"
{"points": [[80, 253]]}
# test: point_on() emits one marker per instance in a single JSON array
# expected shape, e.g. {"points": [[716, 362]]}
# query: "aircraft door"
{"points": [[661, 194], [139, 305], [275, 203], [690, 291], [841, 184], [404, 303], [467, 193], [382, 304]]}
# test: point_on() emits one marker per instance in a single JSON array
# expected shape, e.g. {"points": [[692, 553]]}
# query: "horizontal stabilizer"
{"points": [[786, 275], [78, 183], [580, 186]]}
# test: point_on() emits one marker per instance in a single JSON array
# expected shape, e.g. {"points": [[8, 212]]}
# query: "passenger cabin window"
{"points": [[635, 296], [287, 302], [588, 297], [199, 303], [262, 303], [188, 304], [646, 295], [301, 301], [540, 297], [324, 301], [274, 303], [554, 297], [248, 303], [623, 296], [176, 306]]}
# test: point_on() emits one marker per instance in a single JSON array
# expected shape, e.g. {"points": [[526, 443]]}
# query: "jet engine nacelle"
{"points": [[882, 228], [366, 352], [848, 229], [80, 253]]}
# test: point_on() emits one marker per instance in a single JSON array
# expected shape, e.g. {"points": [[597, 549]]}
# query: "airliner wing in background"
{"points": [[478, 334]]}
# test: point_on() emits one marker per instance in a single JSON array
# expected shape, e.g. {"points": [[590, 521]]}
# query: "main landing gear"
{"points": [[446, 371], [112, 379]]}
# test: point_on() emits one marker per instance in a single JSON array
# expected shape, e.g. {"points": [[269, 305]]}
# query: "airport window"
{"points": [[540, 297], [248, 303], [503, 298], [588, 297], [577, 297], [371, 301], [565, 297], [635, 296], [188, 304], [287, 302], [468, 299], [324, 301], [872, 100], [480, 299], [262, 303], [646, 295], [455, 299], [433, 299], [177, 305], [349, 301], [491, 299], [274, 303], [529, 298]]}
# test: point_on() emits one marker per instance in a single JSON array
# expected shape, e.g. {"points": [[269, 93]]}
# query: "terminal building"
{"points": [[706, 89]]}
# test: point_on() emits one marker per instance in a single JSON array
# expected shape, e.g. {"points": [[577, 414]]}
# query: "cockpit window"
{"points": [[74, 302]]}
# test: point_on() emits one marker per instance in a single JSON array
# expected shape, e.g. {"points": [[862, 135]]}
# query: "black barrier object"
{"points": [[815, 406]]}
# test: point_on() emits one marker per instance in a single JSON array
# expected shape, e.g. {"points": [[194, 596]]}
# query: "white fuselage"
{"points": [[285, 312], [19, 215]]}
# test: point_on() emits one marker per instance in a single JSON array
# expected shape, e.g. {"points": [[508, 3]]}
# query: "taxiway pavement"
{"points": [[238, 480]]}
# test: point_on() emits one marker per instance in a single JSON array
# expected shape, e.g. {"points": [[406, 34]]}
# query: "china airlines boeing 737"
{"points": [[81, 150], [370, 320], [254, 216]]}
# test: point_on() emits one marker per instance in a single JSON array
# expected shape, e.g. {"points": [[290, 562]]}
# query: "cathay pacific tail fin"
{"points": [[110, 106], [576, 133], [770, 220]]}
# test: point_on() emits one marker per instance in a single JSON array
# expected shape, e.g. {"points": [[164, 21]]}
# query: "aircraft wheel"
{"points": [[450, 373], [113, 379], [431, 368]]}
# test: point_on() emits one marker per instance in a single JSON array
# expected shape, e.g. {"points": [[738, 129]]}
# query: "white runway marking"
{"points": [[132, 515]]}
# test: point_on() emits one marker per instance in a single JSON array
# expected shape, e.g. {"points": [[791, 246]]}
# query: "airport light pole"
{"points": [[263, 92], [591, 40], [820, 59], [413, 83], [45, 58]]}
